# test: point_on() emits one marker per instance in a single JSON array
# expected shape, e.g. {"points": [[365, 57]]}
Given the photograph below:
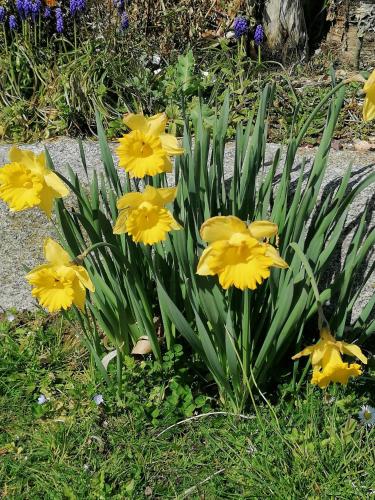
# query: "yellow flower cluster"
{"points": [[143, 215], [26, 182], [237, 253], [60, 283], [326, 359], [147, 149]]}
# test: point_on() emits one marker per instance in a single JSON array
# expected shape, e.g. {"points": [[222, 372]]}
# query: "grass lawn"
{"points": [[309, 445]]}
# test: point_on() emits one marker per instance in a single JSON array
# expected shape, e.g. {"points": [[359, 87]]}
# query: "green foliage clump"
{"points": [[244, 338], [75, 449]]}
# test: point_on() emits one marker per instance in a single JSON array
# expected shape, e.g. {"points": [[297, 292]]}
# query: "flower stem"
{"points": [[79, 259]]}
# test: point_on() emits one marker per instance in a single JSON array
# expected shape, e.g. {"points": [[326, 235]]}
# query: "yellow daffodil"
{"points": [[143, 215], [60, 283], [147, 149], [237, 252], [369, 105], [27, 182], [326, 359]]}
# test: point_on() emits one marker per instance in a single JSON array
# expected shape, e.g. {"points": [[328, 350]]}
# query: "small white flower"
{"points": [[367, 415], [10, 317], [98, 399], [156, 59], [205, 73], [42, 399], [157, 71], [86, 467]]}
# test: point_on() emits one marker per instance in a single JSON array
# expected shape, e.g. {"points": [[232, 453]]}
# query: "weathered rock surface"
{"points": [[22, 233]]}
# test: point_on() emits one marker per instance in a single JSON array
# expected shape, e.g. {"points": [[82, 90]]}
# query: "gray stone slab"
{"points": [[22, 233]]}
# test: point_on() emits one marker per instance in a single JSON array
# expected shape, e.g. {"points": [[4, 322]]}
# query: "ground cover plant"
{"points": [[56, 442], [141, 250], [62, 61]]}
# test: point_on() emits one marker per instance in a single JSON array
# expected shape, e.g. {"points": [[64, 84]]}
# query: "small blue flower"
{"points": [[259, 34], [2, 14], [12, 22], [47, 12], [59, 20], [124, 21], [98, 399], [42, 399], [240, 27]]}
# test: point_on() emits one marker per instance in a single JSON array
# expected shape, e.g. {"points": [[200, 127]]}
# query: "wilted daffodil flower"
{"points": [[144, 217], [237, 252], [60, 283], [369, 105], [26, 182], [147, 149], [327, 363]]}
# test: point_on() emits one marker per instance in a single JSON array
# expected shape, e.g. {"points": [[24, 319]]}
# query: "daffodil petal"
{"points": [[79, 296], [354, 351], [263, 229], [222, 228], [54, 253], [170, 145], [130, 200], [277, 261], [55, 183], [136, 122], [84, 278], [156, 124]]}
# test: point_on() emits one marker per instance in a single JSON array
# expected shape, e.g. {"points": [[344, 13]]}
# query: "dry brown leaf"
{"points": [[142, 347]]}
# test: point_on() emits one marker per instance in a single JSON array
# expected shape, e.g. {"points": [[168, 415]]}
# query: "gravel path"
{"points": [[22, 233]]}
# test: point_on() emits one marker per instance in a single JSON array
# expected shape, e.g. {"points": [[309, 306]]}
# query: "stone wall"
{"points": [[352, 32]]}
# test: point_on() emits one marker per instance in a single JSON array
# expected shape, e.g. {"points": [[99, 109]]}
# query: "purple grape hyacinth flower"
{"points": [[27, 8], [12, 22], [35, 9], [120, 5], [20, 9], [47, 12], [124, 21], [240, 27], [259, 35], [59, 20], [77, 6], [2, 14]]}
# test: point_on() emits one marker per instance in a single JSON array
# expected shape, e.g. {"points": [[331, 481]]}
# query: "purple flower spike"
{"points": [[2, 14], [259, 35], [35, 10], [12, 22], [59, 20], [77, 6], [120, 5], [240, 27], [27, 8], [20, 8], [47, 12], [124, 21]]}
